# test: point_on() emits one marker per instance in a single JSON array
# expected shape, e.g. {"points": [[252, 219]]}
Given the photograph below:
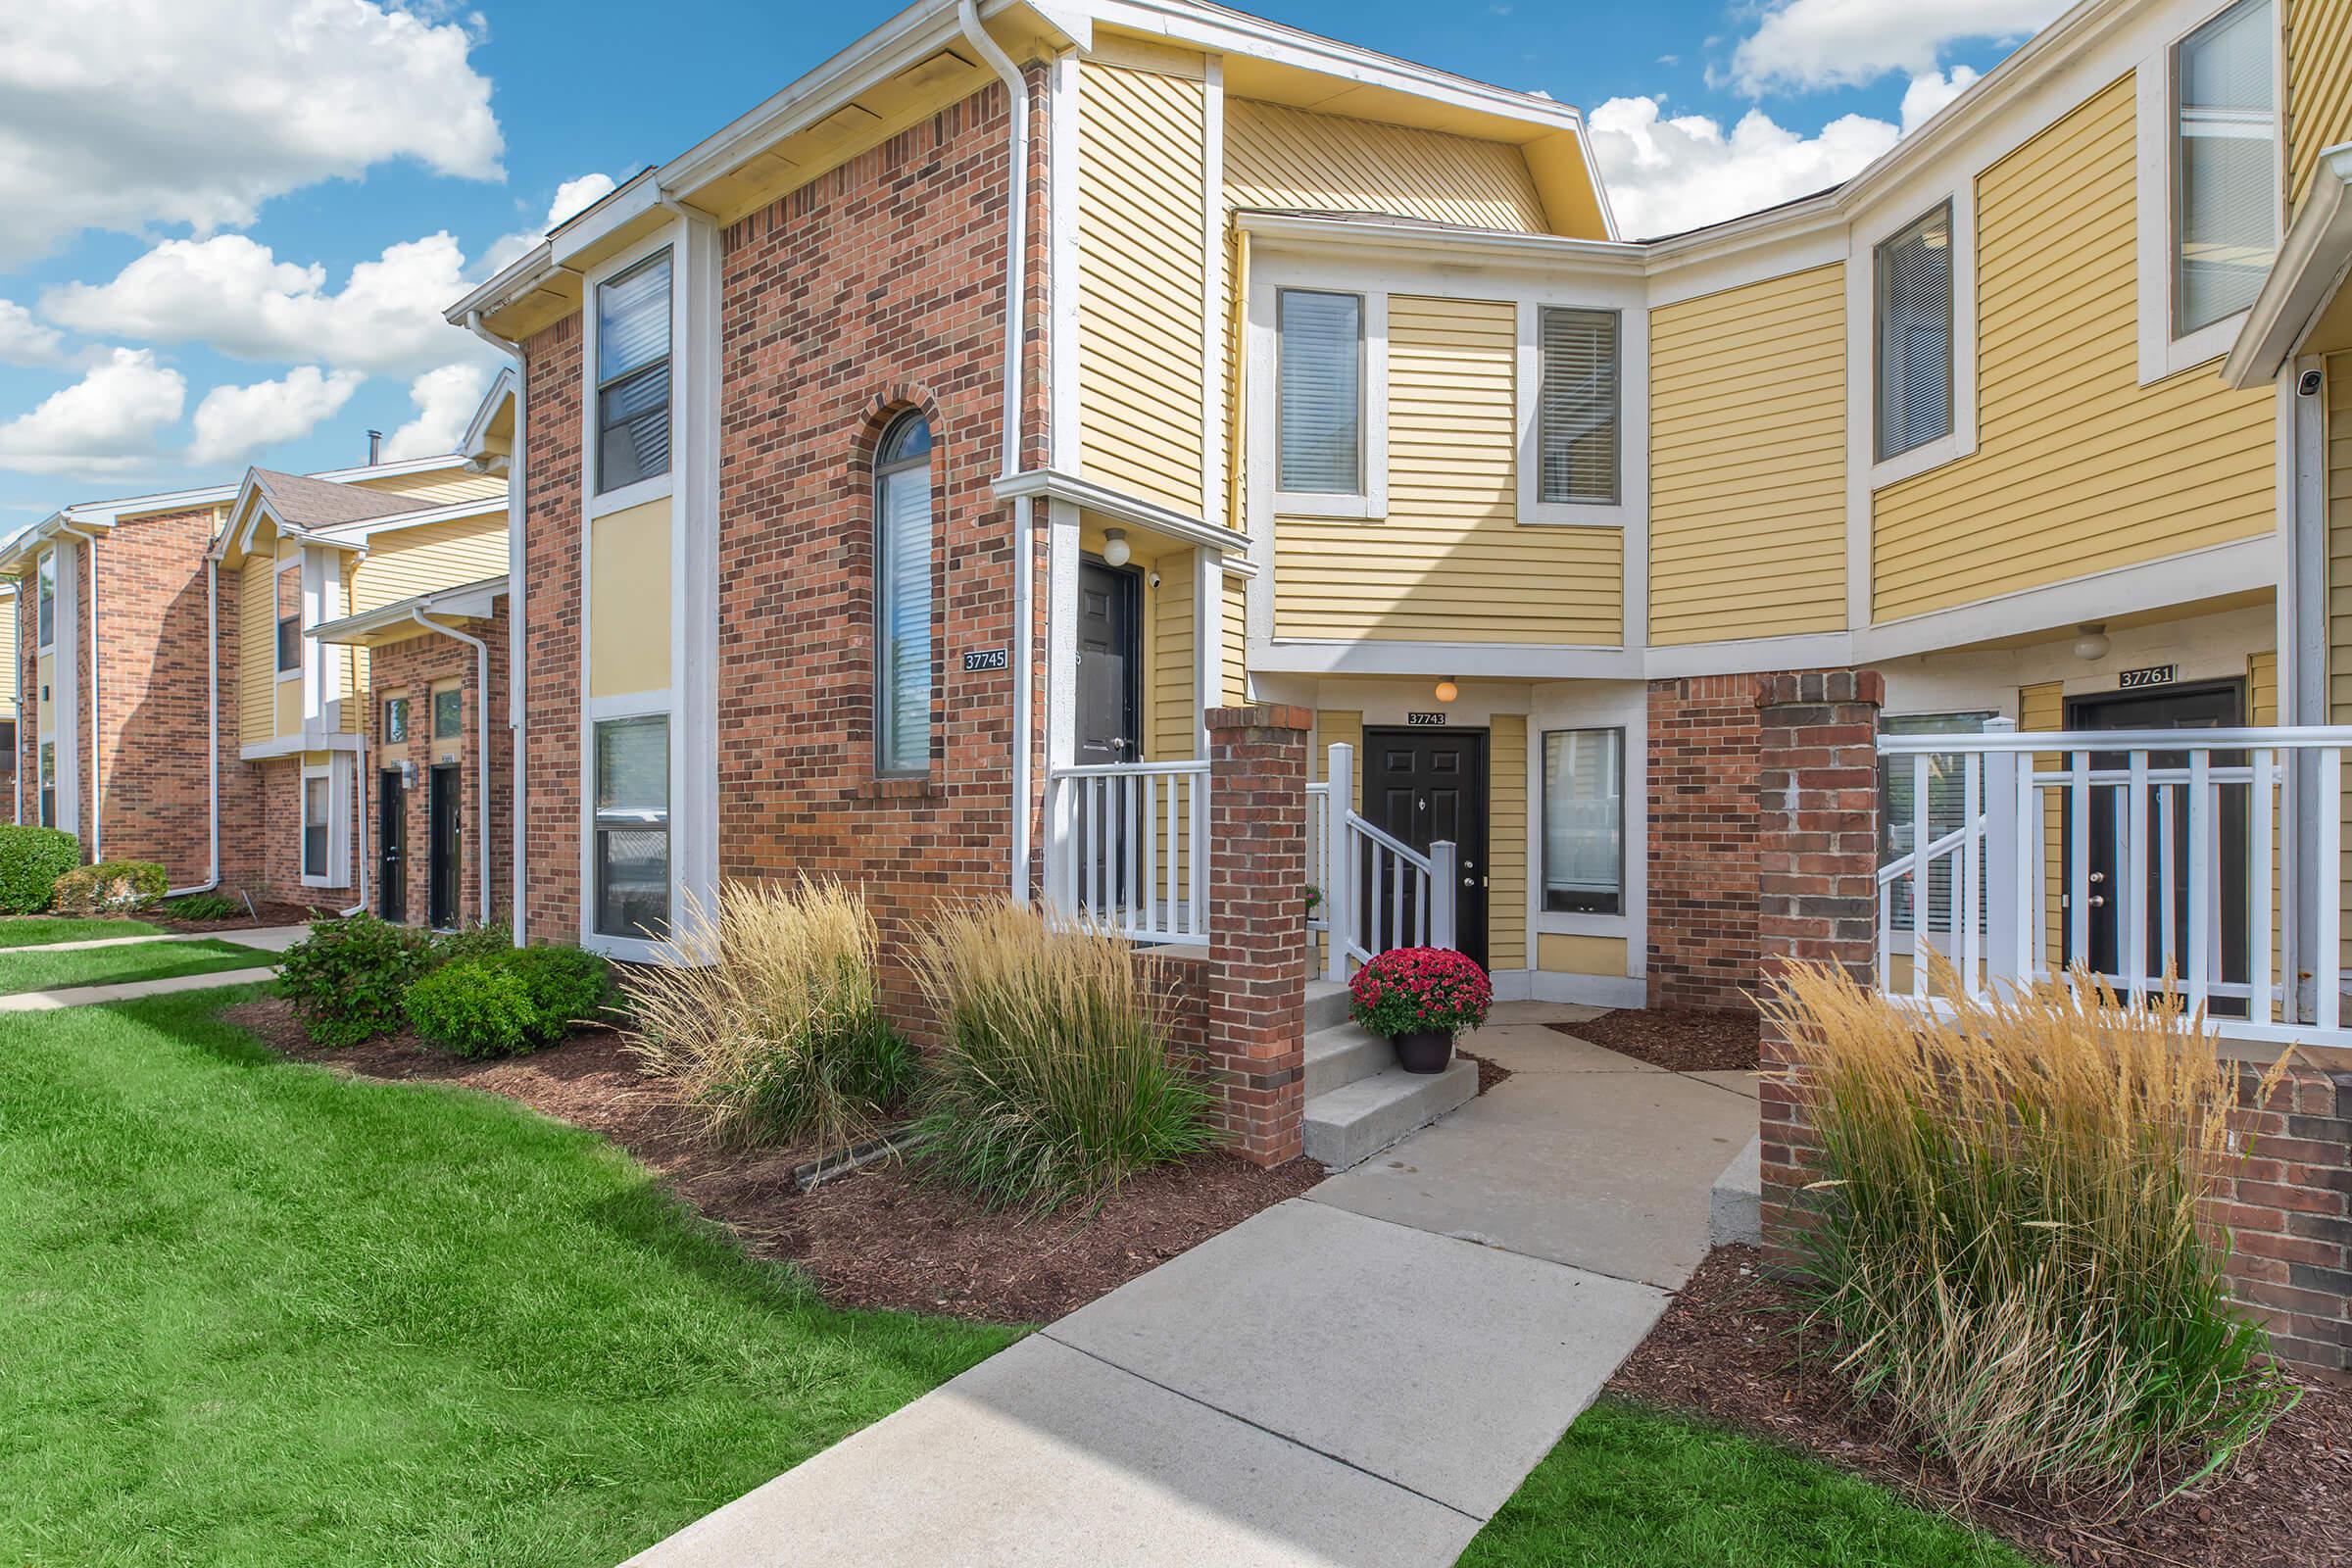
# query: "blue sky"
{"points": [[193, 182]]}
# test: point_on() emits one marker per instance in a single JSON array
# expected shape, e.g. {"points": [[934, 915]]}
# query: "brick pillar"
{"points": [[1257, 930], [1817, 859]]}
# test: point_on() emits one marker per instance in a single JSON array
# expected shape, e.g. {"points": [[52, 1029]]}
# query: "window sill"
{"points": [[924, 788]]}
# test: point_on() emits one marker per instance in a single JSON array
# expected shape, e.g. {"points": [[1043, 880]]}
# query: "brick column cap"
{"points": [[1815, 686], [1262, 715]]}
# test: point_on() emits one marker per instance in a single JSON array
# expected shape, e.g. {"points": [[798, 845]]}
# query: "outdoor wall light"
{"points": [[1447, 691], [1115, 552], [2092, 644]]}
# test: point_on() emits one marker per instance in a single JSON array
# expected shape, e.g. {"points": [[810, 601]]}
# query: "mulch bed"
{"points": [[874, 1236], [264, 915], [1677, 1038], [1725, 1350], [1490, 1073]]}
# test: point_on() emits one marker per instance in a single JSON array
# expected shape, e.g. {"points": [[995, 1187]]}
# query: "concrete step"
{"points": [[1326, 1005], [1342, 1054], [1347, 1125]]}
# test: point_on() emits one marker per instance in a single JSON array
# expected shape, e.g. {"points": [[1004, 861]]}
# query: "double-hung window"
{"points": [[2225, 165], [317, 821], [289, 619], [1915, 335], [1577, 407], [903, 597], [1584, 821], [632, 375], [46, 599], [632, 827], [1319, 392]]}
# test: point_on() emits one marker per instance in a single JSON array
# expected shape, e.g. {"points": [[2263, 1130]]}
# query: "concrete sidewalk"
{"points": [[267, 938], [1361, 1376], [129, 990]]}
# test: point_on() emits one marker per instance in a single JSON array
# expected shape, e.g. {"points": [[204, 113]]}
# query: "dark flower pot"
{"points": [[1423, 1050]]}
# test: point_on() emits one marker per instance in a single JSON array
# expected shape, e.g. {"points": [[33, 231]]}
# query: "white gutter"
{"points": [[481, 656], [15, 759], [1017, 247], [516, 463], [212, 714]]}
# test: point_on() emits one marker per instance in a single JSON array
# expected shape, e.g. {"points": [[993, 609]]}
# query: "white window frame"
{"points": [[301, 617], [1631, 510], [337, 772], [601, 503], [1370, 503], [1542, 743], [2157, 194], [1870, 231], [601, 710], [882, 473]]}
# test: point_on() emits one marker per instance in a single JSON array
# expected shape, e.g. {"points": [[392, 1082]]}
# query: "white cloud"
{"points": [[1804, 45], [129, 114], [106, 424], [573, 197], [24, 341], [1665, 174], [1929, 93], [233, 294], [444, 401], [235, 421]]}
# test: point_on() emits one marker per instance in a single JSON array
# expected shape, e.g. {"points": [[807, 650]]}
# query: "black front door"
{"points": [[1423, 785], [441, 870], [2215, 706], [1110, 666], [392, 846]]}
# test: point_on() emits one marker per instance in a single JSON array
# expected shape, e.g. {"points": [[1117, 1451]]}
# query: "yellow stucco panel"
{"points": [[2079, 467], [1143, 281], [628, 601], [1280, 156], [1558, 952], [1506, 842], [286, 708], [2319, 86], [1449, 563], [44, 685], [1747, 461], [1169, 727]]}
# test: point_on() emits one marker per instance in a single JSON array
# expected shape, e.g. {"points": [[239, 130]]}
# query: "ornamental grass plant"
{"points": [[1052, 1083], [773, 1031], [2008, 1247]]}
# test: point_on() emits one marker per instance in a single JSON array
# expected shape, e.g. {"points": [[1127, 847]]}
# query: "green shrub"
{"points": [[1052, 1083], [31, 860], [348, 977], [111, 887], [505, 1002], [473, 942], [775, 1032], [2008, 1247], [204, 907]]}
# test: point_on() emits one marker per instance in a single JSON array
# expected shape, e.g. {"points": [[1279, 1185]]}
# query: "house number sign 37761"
{"points": [[2153, 675]]}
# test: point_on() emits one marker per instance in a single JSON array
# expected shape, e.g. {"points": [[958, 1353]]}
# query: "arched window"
{"points": [[903, 597]]}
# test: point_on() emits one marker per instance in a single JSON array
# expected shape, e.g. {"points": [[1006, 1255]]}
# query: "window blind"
{"points": [[1577, 422], [632, 826], [904, 722], [313, 826], [1321, 392], [1915, 334], [1583, 820], [632, 375], [1947, 805], [2225, 210]]}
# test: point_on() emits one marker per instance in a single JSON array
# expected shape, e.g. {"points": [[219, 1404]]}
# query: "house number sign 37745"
{"points": [[979, 659]]}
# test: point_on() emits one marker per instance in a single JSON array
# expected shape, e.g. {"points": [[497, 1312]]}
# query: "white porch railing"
{"points": [[1379, 891], [1127, 846], [2211, 857]]}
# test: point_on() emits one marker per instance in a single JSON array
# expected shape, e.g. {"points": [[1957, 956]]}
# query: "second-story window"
{"points": [[1320, 392], [632, 375], [2225, 167], [289, 619], [1576, 411], [46, 600], [1915, 335], [903, 597]]}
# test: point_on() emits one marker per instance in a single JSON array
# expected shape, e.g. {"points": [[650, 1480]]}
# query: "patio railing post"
{"points": [[1339, 906]]}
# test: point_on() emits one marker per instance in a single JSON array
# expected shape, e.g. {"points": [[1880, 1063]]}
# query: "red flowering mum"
{"points": [[1420, 990]]}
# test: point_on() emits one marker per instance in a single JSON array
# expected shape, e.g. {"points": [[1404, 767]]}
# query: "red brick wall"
{"points": [[2287, 1210], [1702, 841], [552, 624], [412, 667], [154, 693]]}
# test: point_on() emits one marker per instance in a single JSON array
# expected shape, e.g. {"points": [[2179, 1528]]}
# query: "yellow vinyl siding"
{"points": [[354, 660], [256, 651], [409, 562], [1506, 842], [2319, 86], [1234, 669], [1339, 726], [1450, 563], [1278, 157], [2079, 468], [2042, 708], [1747, 461], [1169, 727], [440, 487], [1143, 281]]}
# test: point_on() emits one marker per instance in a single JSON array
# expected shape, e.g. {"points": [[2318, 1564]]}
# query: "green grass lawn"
{"points": [[37, 930], [144, 960], [255, 1312], [1633, 1488]]}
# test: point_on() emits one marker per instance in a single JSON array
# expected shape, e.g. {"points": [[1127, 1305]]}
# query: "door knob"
{"points": [[1469, 881], [2098, 901]]}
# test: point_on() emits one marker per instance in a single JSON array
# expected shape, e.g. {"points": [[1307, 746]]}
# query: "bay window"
{"points": [[631, 829], [1584, 821]]}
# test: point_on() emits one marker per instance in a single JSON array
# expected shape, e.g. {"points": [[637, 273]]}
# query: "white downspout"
{"points": [[211, 660], [516, 664], [359, 787], [481, 656], [15, 761], [1017, 247], [97, 790]]}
